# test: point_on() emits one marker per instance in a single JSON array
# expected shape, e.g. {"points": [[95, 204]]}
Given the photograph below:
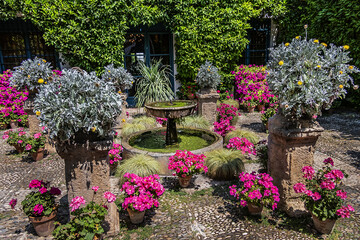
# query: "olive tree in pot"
{"points": [[307, 76], [208, 79], [79, 111]]}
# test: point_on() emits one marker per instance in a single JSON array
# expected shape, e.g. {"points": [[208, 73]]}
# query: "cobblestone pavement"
{"points": [[205, 210]]}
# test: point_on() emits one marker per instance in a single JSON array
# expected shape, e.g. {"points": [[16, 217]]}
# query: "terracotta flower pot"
{"points": [[19, 148], [254, 209], [14, 124], [136, 217], [261, 108], [185, 181], [44, 226], [38, 155], [324, 227], [250, 109]]}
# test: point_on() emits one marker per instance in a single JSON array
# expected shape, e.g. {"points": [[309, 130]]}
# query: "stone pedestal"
{"points": [[119, 122], [86, 166], [207, 104], [290, 149]]}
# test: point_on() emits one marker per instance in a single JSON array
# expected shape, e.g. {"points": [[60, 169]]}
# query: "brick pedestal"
{"points": [[290, 149]]}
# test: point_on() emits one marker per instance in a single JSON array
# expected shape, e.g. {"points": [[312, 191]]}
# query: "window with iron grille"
{"points": [[21, 40]]}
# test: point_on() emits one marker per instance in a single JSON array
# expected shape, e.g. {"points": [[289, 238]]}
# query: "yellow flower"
{"points": [[346, 47], [28, 76], [340, 72], [38, 113], [300, 83], [324, 44], [341, 86], [263, 69], [108, 70], [41, 80], [281, 63], [93, 129], [45, 82], [297, 37], [44, 60], [119, 92], [316, 41], [39, 64], [351, 67], [286, 106], [132, 82], [287, 44], [123, 120], [318, 66]]}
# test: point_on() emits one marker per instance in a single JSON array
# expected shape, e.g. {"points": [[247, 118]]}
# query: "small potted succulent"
{"points": [[186, 164], [40, 206], [323, 196], [17, 139], [255, 191], [141, 194], [87, 221], [208, 77], [31, 74], [121, 78], [35, 145]]}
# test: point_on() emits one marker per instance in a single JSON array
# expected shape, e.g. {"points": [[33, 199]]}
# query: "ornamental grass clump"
{"points": [[31, 74], [308, 76], [224, 164], [141, 193], [148, 122], [79, 104], [130, 128], [249, 135], [185, 163], [121, 78], [194, 122], [87, 221], [256, 189], [208, 76], [323, 196], [40, 202]]}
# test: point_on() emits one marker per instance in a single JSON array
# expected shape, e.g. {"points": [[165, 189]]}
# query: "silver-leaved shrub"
{"points": [[121, 78], [208, 76], [307, 76], [79, 102], [31, 74]]}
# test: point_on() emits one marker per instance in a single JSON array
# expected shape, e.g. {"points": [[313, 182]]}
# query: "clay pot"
{"points": [[14, 124], [251, 109], [44, 226], [136, 217], [19, 148], [185, 181], [254, 209], [260, 108], [38, 155], [324, 227]]}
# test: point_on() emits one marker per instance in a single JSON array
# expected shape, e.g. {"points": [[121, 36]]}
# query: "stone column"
{"points": [[87, 165], [207, 99], [124, 104], [290, 148]]}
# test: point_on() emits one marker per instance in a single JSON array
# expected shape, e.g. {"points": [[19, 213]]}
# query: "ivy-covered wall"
{"points": [[91, 33]]}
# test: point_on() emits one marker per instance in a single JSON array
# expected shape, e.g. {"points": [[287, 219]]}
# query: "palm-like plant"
{"points": [[154, 85]]}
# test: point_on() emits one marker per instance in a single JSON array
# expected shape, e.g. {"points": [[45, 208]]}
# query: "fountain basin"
{"points": [[131, 145], [179, 109]]}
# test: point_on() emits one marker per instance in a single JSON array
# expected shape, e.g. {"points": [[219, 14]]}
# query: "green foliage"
{"points": [[194, 122], [79, 102], [231, 102], [36, 143], [148, 122], [85, 224], [268, 114], [224, 164], [307, 76], [154, 85], [121, 78], [139, 164], [330, 21], [31, 74], [34, 198], [130, 128], [250, 136], [208, 76], [262, 154]]}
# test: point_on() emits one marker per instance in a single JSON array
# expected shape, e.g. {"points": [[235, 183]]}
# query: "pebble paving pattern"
{"points": [[204, 210]]}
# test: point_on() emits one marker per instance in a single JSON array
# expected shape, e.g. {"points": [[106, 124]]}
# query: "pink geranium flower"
{"points": [[76, 202], [55, 191], [38, 209], [43, 190], [28, 147], [35, 184], [110, 197], [95, 188], [13, 203]]}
